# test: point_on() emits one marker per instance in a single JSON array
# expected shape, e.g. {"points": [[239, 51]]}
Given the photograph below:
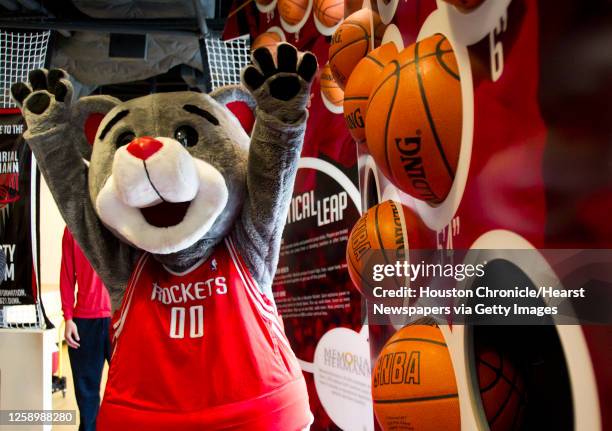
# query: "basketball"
{"points": [[360, 85], [413, 382], [269, 39], [329, 88], [387, 227], [329, 12], [352, 41], [501, 390], [413, 126], [292, 11], [465, 4]]}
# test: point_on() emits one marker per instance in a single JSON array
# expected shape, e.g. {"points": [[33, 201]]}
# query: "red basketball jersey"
{"points": [[201, 350]]}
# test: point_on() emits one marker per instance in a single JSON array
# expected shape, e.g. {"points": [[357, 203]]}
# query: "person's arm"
{"points": [[67, 275], [67, 284]]}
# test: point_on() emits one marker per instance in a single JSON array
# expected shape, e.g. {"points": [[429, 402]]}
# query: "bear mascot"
{"points": [[181, 215]]}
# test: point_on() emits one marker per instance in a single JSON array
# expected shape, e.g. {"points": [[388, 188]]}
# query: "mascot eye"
{"points": [[187, 136], [125, 138]]}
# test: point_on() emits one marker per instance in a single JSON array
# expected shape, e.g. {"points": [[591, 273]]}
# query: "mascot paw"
{"points": [[281, 88], [44, 98]]}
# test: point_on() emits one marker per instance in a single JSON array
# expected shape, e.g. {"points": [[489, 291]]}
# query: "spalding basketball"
{"points": [[465, 4], [352, 41], [329, 12], [270, 40], [413, 126], [359, 87], [502, 390], [389, 227], [292, 11], [329, 88], [413, 382]]}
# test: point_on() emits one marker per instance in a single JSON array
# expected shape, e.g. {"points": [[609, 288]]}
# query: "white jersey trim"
{"points": [[254, 294], [118, 325], [248, 278]]}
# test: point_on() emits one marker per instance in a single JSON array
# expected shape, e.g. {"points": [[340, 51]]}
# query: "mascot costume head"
{"points": [[181, 213]]}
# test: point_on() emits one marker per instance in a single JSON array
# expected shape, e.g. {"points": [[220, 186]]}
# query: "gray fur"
{"points": [[259, 176]]}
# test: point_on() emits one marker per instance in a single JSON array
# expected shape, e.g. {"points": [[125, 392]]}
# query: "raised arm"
{"points": [[282, 93], [56, 135]]}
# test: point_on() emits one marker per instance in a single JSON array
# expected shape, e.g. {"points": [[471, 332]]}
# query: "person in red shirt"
{"points": [[87, 328]]}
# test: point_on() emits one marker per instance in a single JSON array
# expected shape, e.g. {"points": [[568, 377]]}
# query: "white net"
{"points": [[226, 59], [20, 53]]}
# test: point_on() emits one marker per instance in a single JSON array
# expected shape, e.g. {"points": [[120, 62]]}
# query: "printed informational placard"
{"points": [[16, 213]]}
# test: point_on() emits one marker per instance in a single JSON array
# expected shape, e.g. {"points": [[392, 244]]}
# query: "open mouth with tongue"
{"points": [[165, 214], [164, 205]]}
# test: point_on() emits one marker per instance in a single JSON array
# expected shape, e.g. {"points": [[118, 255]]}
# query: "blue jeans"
{"points": [[87, 363]]}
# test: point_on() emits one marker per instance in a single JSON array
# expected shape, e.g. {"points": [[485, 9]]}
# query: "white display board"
{"points": [[25, 372]]}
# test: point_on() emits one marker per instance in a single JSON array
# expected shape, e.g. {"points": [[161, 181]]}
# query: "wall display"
{"points": [[464, 126], [18, 201], [510, 140]]}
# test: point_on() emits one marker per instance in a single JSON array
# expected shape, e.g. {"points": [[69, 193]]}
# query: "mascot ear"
{"points": [[88, 114], [239, 101]]}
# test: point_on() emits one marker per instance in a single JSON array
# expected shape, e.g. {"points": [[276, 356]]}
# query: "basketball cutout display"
{"points": [[390, 227], [502, 390], [359, 87], [465, 4], [413, 126], [269, 39], [413, 382], [352, 41], [292, 11], [329, 12], [265, 6], [331, 93]]}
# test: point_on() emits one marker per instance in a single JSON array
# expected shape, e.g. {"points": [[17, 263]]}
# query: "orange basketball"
{"points": [[292, 11], [413, 382], [329, 12], [329, 88], [501, 390], [352, 41], [413, 127], [465, 4], [387, 227], [359, 87], [269, 39]]}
